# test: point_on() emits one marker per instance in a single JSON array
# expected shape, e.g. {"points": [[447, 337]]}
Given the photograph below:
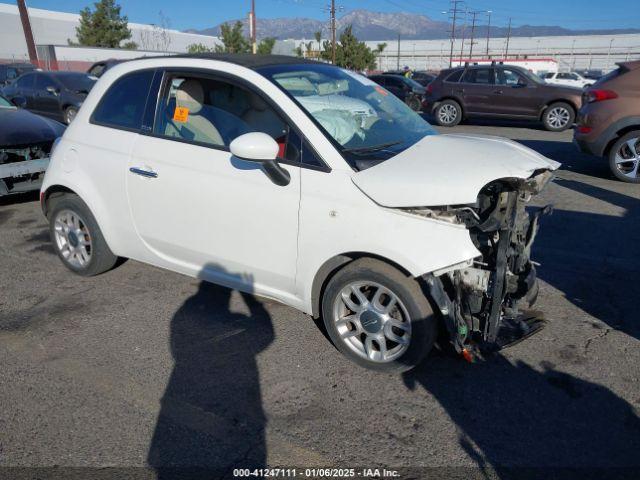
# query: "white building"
{"points": [[571, 52], [56, 28]]}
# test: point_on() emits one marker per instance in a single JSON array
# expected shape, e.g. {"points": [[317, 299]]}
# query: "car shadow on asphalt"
{"points": [[516, 421], [592, 258], [211, 418]]}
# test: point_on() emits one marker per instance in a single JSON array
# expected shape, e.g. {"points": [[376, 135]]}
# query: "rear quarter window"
{"points": [[123, 104], [454, 77]]}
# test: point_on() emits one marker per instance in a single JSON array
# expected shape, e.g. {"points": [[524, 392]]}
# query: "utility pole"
{"points": [[453, 9], [252, 27], [466, 12], [398, 62], [333, 31], [473, 28], [506, 51], [488, 31], [28, 33]]}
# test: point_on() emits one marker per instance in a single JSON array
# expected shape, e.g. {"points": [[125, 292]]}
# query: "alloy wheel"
{"points": [[447, 113], [72, 238], [558, 117], [627, 158], [372, 321]]}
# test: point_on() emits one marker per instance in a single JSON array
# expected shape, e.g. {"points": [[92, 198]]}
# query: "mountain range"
{"points": [[368, 25]]}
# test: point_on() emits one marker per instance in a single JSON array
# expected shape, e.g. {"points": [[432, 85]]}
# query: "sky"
{"points": [[575, 14]]}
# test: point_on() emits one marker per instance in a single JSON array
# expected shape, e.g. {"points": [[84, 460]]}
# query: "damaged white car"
{"points": [[308, 184]]}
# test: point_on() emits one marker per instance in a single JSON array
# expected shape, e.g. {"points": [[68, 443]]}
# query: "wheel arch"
{"points": [[619, 133], [330, 267], [52, 191]]}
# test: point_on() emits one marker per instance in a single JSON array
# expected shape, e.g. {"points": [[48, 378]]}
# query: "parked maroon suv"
{"points": [[609, 122], [501, 91]]}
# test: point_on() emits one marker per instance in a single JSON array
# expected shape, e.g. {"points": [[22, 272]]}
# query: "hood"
{"points": [[20, 127], [448, 170]]}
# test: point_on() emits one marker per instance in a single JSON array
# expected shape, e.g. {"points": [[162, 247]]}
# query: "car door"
{"points": [[477, 90], [23, 87], [516, 95], [46, 96], [202, 211]]}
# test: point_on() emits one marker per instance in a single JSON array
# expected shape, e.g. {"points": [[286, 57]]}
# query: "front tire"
{"points": [[76, 237], [624, 157], [558, 117], [448, 113], [378, 317]]}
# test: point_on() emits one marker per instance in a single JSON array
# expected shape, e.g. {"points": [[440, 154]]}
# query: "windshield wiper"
{"points": [[373, 148]]}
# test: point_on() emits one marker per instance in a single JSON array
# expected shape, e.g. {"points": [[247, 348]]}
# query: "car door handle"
{"points": [[143, 173], [460, 90]]}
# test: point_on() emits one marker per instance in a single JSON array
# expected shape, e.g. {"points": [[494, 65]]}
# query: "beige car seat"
{"points": [[261, 118], [196, 127]]}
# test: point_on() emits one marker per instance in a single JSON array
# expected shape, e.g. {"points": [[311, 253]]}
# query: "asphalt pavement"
{"points": [[144, 367]]}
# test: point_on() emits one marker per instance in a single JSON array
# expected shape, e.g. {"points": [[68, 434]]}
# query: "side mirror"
{"points": [[19, 102], [53, 90], [260, 147]]}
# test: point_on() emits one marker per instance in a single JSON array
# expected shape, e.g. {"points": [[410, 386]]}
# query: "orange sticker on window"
{"points": [[381, 91], [181, 114]]}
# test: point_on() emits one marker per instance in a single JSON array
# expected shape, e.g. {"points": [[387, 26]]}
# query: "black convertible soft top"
{"points": [[247, 59]]}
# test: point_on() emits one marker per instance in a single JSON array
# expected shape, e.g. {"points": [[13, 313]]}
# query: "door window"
{"points": [[43, 81], [510, 77], [214, 112], [123, 105], [479, 75]]}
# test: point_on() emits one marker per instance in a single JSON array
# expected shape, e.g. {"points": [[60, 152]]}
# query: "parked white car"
{"points": [[214, 167], [570, 79]]}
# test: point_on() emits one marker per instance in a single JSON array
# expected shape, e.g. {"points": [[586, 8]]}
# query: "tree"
{"points": [[233, 41], [103, 27], [130, 46], [379, 49], [265, 47], [350, 53]]}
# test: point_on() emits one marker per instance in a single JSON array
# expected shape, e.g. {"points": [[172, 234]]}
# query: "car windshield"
{"points": [[412, 83], [76, 82], [363, 120], [4, 103]]}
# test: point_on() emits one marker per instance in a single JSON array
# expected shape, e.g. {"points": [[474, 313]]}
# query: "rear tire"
{"points": [[378, 317], [76, 237], [624, 157], [558, 117], [448, 113]]}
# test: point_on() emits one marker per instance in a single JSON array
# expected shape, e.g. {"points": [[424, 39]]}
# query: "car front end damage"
{"points": [[22, 167], [484, 302]]}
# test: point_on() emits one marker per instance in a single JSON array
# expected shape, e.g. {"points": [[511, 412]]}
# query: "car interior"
{"points": [[217, 112]]}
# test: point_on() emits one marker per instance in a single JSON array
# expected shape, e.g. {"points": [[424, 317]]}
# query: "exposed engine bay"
{"points": [[484, 303], [22, 167]]}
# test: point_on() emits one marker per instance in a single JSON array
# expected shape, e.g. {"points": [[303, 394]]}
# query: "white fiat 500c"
{"points": [[305, 183]]}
